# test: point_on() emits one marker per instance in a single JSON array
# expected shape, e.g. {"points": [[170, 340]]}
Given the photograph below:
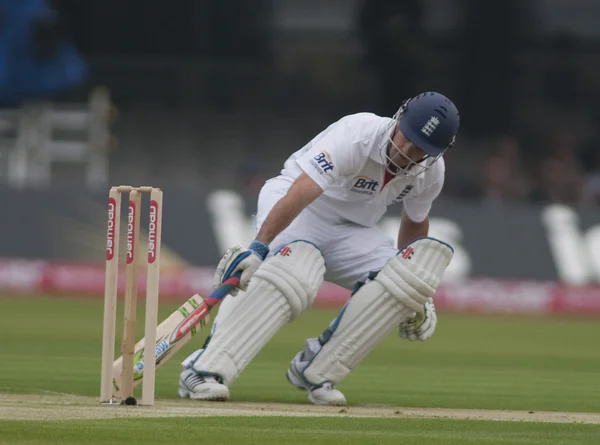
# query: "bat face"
{"points": [[171, 335], [189, 323]]}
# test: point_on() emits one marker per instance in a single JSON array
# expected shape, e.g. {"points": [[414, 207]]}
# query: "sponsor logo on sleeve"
{"points": [[322, 162]]}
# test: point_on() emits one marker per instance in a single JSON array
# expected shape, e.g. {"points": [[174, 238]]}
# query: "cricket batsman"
{"points": [[316, 221]]}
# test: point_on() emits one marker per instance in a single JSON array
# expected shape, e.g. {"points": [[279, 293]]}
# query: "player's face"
{"points": [[403, 152]]}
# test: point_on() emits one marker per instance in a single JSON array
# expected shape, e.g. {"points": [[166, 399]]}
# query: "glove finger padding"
{"points": [[223, 265], [421, 326], [249, 265]]}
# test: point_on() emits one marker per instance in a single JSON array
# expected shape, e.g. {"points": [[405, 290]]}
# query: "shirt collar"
{"points": [[386, 130]]}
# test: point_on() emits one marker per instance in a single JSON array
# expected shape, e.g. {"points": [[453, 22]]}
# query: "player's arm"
{"points": [[321, 167], [301, 193], [415, 213], [411, 230], [332, 159]]}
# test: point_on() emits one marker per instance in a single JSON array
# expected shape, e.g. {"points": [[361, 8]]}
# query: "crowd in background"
{"points": [[528, 102], [265, 82], [507, 173], [530, 119], [502, 173]]}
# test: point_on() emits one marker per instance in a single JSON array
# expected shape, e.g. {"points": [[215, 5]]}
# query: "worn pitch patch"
{"points": [[53, 406]]}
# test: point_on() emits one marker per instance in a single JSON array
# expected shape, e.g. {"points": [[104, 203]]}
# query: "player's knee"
{"points": [[413, 275], [297, 271]]}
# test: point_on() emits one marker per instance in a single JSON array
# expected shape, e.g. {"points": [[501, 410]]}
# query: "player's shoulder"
{"points": [[436, 172], [440, 166], [432, 175], [364, 120], [364, 125]]}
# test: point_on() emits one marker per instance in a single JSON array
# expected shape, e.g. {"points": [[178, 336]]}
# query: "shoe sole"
{"points": [[184, 393], [338, 402]]}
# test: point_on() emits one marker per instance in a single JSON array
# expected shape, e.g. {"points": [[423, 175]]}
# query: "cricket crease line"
{"points": [[53, 406]]}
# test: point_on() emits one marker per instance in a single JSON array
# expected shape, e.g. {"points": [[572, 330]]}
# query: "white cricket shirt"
{"points": [[346, 160]]}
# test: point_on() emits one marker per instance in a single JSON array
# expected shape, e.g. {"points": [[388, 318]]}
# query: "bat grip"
{"points": [[223, 290], [232, 281]]}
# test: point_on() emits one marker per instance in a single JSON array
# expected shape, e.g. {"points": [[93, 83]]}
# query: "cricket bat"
{"points": [[174, 332]]}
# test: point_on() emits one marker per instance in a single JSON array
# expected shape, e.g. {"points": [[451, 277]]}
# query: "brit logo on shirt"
{"points": [[364, 185], [322, 162], [404, 192]]}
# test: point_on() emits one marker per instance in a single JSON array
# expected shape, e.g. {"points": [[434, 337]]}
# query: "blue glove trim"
{"points": [[233, 265], [260, 248]]}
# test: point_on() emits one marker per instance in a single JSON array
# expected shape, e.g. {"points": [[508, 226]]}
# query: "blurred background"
{"points": [[207, 98], [257, 79]]}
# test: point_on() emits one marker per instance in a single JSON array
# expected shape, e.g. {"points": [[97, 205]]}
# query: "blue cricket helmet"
{"points": [[430, 121]]}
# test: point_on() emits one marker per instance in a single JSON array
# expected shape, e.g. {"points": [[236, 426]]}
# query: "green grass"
{"points": [[470, 362], [54, 344], [293, 431]]}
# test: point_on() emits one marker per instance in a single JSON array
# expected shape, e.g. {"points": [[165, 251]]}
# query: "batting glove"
{"points": [[421, 326], [237, 259]]}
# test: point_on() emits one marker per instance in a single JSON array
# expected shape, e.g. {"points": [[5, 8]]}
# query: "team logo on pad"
{"points": [[286, 251], [407, 253]]}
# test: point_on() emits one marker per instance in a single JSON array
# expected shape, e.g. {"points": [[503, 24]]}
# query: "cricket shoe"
{"points": [[201, 387], [325, 394]]}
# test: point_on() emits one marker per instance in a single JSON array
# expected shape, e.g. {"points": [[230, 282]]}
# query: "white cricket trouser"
{"points": [[351, 251]]}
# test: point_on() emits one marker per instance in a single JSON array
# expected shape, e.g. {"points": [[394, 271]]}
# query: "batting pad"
{"points": [[405, 283], [414, 274], [282, 288]]}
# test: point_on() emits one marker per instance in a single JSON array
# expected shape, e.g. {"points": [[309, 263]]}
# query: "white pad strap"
{"points": [[374, 311], [281, 289]]}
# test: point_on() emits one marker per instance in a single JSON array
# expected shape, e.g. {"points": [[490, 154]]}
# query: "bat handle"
{"points": [[232, 281], [223, 290]]}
